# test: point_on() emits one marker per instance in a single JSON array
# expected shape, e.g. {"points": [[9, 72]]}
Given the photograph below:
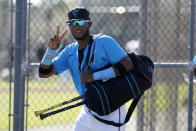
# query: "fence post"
{"points": [[143, 41], [153, 41], [19, 77], [191, 51]]}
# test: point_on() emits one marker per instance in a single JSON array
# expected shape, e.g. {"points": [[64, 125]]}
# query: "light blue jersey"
{"points": [[105, 49]]}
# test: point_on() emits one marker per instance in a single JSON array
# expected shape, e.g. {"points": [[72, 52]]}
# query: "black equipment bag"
{"points": [[104, 97]]}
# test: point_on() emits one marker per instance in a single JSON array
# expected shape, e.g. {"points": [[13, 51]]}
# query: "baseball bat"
{"points": [[37, 113], [43, 116]]}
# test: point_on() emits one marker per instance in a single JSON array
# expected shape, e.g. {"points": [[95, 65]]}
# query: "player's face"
{"points": [[80, 28]]}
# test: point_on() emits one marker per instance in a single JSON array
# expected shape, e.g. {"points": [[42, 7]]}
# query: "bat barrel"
{"points": [[37, 113]]}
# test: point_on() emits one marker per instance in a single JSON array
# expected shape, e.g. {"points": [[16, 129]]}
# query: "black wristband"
{"points": [[45, 71], [120, 68]]}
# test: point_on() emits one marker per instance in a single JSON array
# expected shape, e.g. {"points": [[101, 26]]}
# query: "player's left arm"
{"points": [[117, 57], [123, 66]]}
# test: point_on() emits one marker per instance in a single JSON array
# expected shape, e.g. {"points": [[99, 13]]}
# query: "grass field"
{"points": [[42, 96]]}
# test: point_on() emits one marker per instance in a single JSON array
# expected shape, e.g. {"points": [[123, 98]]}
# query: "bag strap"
{"points": [[89, 49], [87, 62], [127, 118], [88, 54]]}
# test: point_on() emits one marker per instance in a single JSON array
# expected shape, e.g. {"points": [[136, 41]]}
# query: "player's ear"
{"points": [[89, 24]]}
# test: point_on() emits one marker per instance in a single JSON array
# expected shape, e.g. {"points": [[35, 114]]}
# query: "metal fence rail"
{"points": [[161, 29]]}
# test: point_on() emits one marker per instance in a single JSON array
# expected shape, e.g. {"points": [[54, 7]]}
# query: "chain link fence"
{"points": [[157, 28]]}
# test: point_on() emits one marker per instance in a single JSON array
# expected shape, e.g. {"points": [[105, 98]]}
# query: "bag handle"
{"points": [[128, 116]]}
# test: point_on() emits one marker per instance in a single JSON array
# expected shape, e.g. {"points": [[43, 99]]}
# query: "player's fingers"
{"points": [[54, 37], [57, 30], [64, 33], [51, 40]]}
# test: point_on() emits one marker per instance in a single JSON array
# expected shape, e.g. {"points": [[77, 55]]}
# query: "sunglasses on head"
{"points": [[78, 22]]}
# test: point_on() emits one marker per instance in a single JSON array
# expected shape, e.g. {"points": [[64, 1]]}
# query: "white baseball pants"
{"points": [[86, 122]]}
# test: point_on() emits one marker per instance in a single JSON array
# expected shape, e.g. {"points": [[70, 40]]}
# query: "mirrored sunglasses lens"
{"points": [[73, 23], [79, 22]]}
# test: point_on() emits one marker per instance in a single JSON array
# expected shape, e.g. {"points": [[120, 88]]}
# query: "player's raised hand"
{"points": [[55, 41]]}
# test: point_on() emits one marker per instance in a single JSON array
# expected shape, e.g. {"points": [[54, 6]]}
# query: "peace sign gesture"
{"points": [[56, 40]]}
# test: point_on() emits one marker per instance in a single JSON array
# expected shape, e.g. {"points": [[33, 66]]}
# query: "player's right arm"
{"points": [[46, 69]]}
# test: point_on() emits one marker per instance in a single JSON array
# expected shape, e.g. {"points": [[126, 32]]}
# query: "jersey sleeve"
{"points": [[60, 62], [113, 50]]}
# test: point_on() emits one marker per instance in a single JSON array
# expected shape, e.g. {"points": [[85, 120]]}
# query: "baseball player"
{"points": [[104, 50]]}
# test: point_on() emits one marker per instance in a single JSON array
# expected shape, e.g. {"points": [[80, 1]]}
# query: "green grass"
{"points": [[40, 101], [41, 95], [48, 93]]}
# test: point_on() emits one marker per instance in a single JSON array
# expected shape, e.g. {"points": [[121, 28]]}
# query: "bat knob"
{"points": [[43, 116]]}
